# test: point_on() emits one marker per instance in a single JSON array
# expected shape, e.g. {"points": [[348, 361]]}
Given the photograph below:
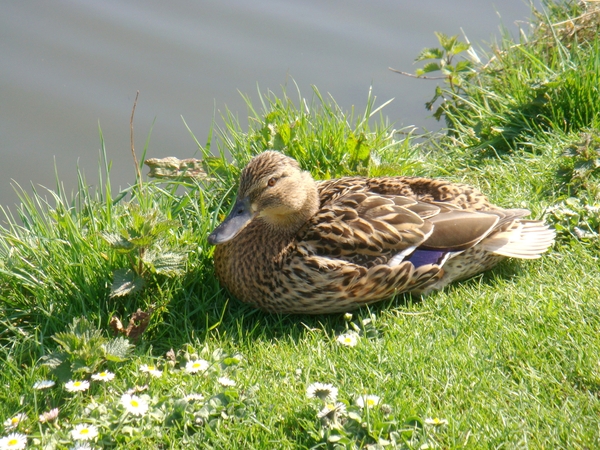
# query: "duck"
{"points": [[294, 245]]}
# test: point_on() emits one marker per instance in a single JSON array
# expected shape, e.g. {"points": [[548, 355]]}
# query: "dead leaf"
{"points": [[138, 323]]}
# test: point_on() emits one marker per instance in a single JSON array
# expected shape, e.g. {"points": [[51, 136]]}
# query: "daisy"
{"points": [[197, 365], [367, 401], [76, 386], [332, 410], [43, 384], [134, 404], [81, 446], [151, 369], [13, 441], [13, 422], [194, 398], [436, 422], [227, 382], [348, 339], [103, 376], [323, 391], [49, 416], [84, 432]]}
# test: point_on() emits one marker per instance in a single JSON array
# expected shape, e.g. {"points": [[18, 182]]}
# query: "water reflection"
{"points": [[69, 66]]}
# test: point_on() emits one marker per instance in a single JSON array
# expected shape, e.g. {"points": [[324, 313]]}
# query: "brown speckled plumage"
{"points": [[293, 245]]}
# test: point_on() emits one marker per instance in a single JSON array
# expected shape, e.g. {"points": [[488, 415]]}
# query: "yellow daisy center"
{"points": [[102, 374], [14, 420], [134, 403], [151, 368], [84, 431], [370, 402], [77, 384]]}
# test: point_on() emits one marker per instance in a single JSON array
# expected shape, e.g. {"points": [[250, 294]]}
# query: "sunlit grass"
{"points": [[510, 358]]}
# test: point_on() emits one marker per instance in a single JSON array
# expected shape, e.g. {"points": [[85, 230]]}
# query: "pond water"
{"points": [[70, 66]]}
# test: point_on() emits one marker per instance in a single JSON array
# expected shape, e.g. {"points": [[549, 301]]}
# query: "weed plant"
{"points": [[510, 358]]}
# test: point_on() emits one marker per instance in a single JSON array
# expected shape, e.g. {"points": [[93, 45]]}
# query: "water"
{"points": [[68, 67]]}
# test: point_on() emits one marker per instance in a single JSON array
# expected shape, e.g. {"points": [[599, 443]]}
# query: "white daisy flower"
{"points": [[367, 401], [348, 339], [13, 422], [227, 382], [15, 441], [84, 432], [134, 404], [194, 398], [103, 376], [332, 410], [49, 416], [196, 365], [436, 422], [151, 369], [43, 384], [323, 391], [77, 386], [81, 446]]}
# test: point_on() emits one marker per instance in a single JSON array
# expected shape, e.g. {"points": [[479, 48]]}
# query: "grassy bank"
{"points": [[510, 358]]}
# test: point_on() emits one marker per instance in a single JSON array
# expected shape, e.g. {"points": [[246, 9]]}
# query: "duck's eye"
{"points": [[271, 182]]}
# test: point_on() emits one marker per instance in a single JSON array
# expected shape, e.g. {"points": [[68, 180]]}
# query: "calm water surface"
{"points": [[68, 67]]}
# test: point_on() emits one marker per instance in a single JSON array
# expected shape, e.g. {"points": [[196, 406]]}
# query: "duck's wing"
{"points": [[368, 228], [431, 190], [360, 225]]}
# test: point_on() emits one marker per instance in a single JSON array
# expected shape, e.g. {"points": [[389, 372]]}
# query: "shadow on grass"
{"points": [[206, 311]]}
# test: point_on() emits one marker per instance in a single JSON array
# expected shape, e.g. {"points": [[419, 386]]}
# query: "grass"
{"points": [[510, 358]]}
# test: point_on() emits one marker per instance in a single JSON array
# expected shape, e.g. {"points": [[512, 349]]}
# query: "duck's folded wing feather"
{"points": [[367, 227], [363, 223], [457, 230]]}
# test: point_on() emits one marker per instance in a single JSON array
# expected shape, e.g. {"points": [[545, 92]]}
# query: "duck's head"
{"points": [[274, 189]]}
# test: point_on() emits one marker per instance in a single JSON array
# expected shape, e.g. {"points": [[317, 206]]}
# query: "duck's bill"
{"points": [[235, 222]]}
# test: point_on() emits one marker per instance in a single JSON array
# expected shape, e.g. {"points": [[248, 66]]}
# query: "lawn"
{"points": [[114, 332]]}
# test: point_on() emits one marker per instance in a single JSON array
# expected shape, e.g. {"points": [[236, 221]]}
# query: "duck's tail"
{"points": [[525, 239]]}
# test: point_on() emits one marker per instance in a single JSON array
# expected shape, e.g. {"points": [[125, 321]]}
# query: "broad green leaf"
{"points": [[219, 166], [447, 42], [359, 151], [116, 241], [53, 360], [459, 47], [143, 241], [168, 263], [63, 371], [82, 366], [117, 349], [69, 341], [428, 68], [282, 137], [125, 281], [464, 66], [430, 53]]}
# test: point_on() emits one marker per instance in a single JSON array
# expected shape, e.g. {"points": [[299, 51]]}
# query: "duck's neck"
{"points": [[289, 223], [246, 263]]}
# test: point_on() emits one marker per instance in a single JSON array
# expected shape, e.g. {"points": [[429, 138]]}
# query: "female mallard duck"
{"points": [[293, 245]]}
